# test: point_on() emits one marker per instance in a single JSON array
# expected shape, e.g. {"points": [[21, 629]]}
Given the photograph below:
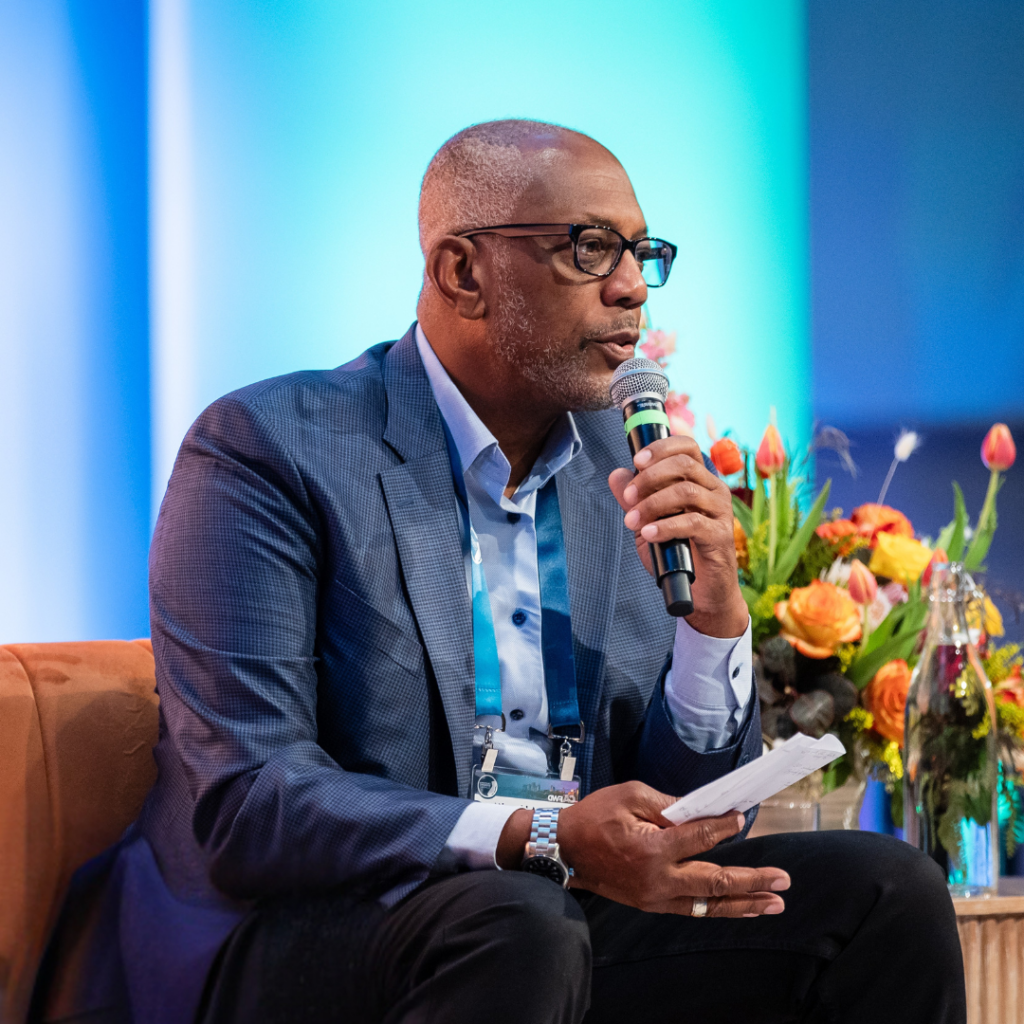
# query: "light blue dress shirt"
{"points": [[707, 690]]}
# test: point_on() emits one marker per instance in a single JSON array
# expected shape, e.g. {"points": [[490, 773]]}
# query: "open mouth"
{"points": [[617, 347]]}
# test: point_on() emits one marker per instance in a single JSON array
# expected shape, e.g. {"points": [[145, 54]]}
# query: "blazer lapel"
{"points": [[424, 516], [593, 530]]}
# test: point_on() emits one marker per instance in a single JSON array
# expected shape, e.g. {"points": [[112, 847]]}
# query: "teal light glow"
{"points": [[289, 141]]}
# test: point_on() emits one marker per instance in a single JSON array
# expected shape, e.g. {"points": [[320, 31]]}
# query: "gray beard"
{"points": [[558, 369]]}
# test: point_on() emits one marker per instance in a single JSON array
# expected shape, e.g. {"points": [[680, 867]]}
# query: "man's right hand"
{"points": [[619, 846]]}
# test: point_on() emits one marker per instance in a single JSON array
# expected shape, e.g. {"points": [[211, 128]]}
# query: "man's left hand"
{"points": [[674, 496]]}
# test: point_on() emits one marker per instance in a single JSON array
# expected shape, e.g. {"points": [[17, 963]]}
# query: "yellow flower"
{"points": [[993, 619], [892, 759], [900, 558], [861, 719]]}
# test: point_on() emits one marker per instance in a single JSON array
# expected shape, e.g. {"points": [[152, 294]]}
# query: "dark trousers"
{"points": [[868, 934]]}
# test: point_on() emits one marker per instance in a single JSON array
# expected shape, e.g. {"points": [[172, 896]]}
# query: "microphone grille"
{"points": [[637, 377]]}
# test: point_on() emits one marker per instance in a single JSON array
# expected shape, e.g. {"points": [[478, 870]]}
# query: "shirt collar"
{"points": [[481, 457]]}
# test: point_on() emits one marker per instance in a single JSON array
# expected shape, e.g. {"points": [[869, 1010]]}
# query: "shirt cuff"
{"points": [[473, 843], [709, 686]]}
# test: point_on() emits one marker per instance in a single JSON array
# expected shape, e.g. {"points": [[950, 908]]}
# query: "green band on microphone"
{"points": [[647, 416]]}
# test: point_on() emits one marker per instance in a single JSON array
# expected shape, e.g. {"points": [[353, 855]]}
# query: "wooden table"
{"points": [[992, 937]]}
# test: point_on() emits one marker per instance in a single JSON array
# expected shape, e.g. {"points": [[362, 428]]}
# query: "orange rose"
{"points": [[726, 456], [840, 533], [874, 519], [739, 539], [818, 618], [886, 698]]}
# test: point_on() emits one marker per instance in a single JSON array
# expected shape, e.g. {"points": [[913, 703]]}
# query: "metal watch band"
{"points": [[544, 829]]}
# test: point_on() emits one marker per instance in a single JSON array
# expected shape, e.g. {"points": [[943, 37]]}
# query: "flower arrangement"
{"points": [[838, 604]]}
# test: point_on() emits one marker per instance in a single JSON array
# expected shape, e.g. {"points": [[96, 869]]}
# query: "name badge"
{"points": [[523, 789]]}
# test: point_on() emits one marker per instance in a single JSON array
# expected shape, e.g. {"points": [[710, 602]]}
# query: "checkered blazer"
{"points": [[313, 640]]}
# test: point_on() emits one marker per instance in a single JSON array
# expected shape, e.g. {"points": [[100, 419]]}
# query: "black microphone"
{"points": [[639, 388]]}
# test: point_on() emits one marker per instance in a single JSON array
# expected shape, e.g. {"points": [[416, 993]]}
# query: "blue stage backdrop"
{"points": [[290, 139], [195, 195], [917, 240], [74, 332]]}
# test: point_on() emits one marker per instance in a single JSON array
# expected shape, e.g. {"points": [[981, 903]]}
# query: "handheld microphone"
{"points": [[639, 388]]}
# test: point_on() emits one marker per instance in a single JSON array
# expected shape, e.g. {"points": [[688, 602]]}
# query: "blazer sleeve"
{"points": [[663, 760], [234, 569]]}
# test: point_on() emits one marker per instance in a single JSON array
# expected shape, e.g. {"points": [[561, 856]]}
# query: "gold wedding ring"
{"points": [[700, 907]]}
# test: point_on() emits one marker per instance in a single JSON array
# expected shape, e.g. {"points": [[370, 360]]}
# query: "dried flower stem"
{"points": [[888, 480]]}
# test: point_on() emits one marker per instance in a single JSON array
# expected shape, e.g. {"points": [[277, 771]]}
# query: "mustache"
{"points": [[599, 334]]}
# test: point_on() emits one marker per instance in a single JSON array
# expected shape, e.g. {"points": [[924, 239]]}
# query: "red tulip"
{"points": [[862, 585], [771, 456], [726, 456], [998, 451]]}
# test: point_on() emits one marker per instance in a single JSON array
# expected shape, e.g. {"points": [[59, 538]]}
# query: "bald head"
{"points": [[478, 177]]}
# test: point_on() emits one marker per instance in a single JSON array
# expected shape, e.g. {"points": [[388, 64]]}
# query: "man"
{"points": [[348, 565]]}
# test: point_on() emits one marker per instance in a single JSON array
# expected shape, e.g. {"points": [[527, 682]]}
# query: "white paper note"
{"points": [[758, 780]]}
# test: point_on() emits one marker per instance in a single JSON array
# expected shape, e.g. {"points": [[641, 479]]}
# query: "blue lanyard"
{"points": [[556, 625]]}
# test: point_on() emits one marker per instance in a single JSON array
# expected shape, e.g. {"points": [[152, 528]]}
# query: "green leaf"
{"points": [[885, 630], [945, 535], [896, 637], [956, 539], [786, 562], [741, 510], [751, 596], [863, 670], [757, 512], [982, 539], [781, 486]]}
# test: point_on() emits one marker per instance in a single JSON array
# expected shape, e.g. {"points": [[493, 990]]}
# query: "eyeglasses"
{"points": [[597, 250]]}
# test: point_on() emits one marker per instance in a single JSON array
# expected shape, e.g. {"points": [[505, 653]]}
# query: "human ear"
{"points": [[454, 270]]}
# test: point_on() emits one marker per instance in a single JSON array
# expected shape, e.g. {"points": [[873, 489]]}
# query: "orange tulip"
{"points": [[886, 698], [726, 456], [818, 618], [872, 519], [998, 451], [862, 585], [771, 456]]}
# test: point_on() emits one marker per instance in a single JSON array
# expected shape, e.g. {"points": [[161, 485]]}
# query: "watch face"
{"points": [[546, 867]]}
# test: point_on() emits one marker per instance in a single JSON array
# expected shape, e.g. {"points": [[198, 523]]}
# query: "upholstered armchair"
{"points": [[78, 723]]}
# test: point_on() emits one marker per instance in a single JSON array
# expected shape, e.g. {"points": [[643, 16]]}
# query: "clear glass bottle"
{"points": [[950, 782]]}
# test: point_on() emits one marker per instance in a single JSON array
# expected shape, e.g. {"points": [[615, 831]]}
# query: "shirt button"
{"points": [[513, 517], [735, 671], [516, 714], [518, 617]]}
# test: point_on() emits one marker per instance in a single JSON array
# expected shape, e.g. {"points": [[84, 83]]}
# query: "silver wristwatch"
{"points": [[542, 854]]}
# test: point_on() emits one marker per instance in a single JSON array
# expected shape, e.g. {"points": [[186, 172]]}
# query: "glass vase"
{"points": [[950, 783]]}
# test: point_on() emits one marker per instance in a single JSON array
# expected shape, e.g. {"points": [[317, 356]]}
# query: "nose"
{"points": [[625, 285]]}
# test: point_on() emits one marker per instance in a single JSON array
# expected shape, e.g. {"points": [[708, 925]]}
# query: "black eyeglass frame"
{"points": [[574, 231]]}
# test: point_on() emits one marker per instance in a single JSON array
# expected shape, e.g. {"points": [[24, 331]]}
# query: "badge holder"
{"points": [[511, 786]]}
